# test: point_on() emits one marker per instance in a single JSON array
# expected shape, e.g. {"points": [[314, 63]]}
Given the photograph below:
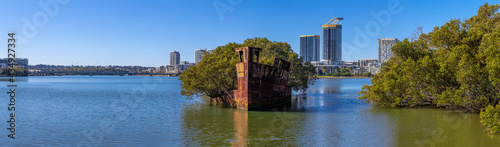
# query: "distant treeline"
{"points": [[99, 69], [19, 71], [134, 69], [343, 72]]}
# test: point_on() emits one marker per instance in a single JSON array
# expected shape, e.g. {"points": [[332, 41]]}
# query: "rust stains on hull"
{"points": [[259, 85]]}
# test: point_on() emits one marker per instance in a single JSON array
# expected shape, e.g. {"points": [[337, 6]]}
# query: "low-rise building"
{"points": [[358, 70], [184, 63], [374, 68], [21, 62], [352, 63], [177, 69], [324, 68], [365, 62]]}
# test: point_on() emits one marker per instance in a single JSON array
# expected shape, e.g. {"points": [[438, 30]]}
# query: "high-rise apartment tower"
{"points": [[309, 47], [175, 58], [384, 48], [198, 55], [332, 40]]}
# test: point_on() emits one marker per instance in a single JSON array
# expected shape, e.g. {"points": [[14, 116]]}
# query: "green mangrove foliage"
{"points": [[491, 119], [455, 66], [216, 73]]}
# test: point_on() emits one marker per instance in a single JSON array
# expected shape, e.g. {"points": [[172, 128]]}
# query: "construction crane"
{"points": [[333, 23]]}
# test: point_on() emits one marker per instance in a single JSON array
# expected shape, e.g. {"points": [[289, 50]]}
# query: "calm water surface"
{"points": [[149, 111]]}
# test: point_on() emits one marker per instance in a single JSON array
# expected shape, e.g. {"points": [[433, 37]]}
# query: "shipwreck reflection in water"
{"points": [[241, 128]]}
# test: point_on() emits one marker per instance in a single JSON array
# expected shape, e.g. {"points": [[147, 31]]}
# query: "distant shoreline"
{"points": [[342, 77], [87, 75], [157, 75]]}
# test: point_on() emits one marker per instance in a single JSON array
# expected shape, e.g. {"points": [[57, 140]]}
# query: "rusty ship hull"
{"points": [[259, 85]]}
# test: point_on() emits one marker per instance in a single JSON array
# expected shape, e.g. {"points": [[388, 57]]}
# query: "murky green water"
{"points": [[149, 111], [330, 115]]}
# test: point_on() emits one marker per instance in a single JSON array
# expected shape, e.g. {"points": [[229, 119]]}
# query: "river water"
{"points": [[149, 111]]}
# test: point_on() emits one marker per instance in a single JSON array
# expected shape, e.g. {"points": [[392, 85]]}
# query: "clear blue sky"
{"points": [[130, 32]]}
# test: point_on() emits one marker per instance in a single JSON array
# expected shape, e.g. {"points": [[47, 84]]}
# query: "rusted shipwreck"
{"points": [[259, 85]]}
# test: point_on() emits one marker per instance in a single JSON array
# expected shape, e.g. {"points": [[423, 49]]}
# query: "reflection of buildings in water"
{"points": [[324, 87], [330, 90], [324, 90], [241, 128], [328, 87], [302, 102], [296, 103]]}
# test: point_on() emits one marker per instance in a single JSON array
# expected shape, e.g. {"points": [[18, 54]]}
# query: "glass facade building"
{"points": [[384, 48], [309, 47], [332, 41]]}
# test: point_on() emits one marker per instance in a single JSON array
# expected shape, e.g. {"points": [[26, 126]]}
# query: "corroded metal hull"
{"points": [[260, 85]]}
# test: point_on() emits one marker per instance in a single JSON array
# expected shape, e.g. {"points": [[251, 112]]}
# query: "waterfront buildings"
{"points": [[365, 62], [21, 62], [374, 68], [198, 55], [184, 63], [358, 70], [309, 47], [175, 58], [325, 68], [332, 41], [384, 48], [352, 63], [175, 69]]}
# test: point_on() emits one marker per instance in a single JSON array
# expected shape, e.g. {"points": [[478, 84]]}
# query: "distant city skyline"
{"points": [[94, 32]]}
